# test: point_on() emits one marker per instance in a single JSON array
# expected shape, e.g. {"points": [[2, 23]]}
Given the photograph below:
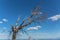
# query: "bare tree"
{"points": [[35, 16]]}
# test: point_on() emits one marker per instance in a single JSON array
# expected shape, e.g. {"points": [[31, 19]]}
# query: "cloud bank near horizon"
{"points": [[38, 36]]}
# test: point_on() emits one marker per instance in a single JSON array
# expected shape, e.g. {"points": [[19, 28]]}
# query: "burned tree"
{"points": [[35, 16]]}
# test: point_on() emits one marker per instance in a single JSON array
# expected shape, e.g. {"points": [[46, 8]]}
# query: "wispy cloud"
{"points": [[41, 13], [1, 22], [4, 19], [55, 17], [34, 28]]}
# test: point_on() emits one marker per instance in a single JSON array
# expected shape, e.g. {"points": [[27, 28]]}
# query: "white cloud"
{"points": [[55, 17], [1, 22], [34, 28], [4, 19]]}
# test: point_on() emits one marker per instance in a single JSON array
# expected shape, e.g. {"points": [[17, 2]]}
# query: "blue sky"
{"points": [[11, 9]]}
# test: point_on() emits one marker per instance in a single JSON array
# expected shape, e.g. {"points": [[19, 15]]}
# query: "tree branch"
{"points": [[24, 25], [34, 13], [26, 19]]}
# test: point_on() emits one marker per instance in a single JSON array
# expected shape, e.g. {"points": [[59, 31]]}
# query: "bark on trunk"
{"points": [[14, 36]]}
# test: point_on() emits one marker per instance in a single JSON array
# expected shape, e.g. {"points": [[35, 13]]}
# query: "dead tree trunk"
{"points": [[15, 31], [34, 17], [14, 36]]}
